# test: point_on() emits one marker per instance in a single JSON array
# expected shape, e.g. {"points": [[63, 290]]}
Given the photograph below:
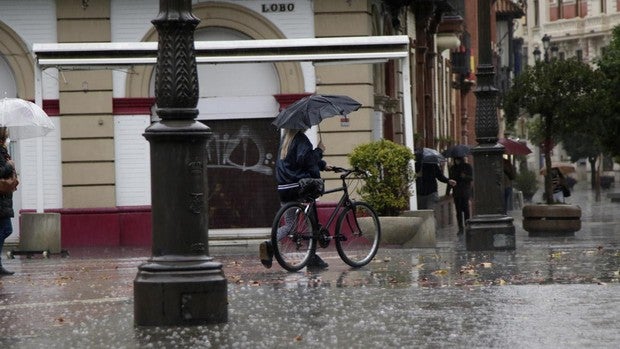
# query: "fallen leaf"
{"points": [[557, 255], [440, 272]]}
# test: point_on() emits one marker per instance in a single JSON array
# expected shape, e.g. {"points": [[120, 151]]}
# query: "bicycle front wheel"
{"points": [[358, 233], [291, 237]]}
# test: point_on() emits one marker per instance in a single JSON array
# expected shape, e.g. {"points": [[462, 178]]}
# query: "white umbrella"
{"points": [[24, 119], [429, 156]]}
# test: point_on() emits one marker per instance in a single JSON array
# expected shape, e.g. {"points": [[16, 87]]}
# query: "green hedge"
{"points": [[388, 188]]}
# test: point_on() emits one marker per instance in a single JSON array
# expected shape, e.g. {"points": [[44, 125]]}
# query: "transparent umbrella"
{"points": [[429, 156], [24, 119]]}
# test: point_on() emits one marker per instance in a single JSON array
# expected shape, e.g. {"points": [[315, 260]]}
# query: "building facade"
{"points": [[96, 163]]}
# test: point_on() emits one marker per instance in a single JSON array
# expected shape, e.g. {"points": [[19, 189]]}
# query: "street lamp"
{"points": [[550, 50], [490, 228], [180, 284], [546, 40], [537, 53]]}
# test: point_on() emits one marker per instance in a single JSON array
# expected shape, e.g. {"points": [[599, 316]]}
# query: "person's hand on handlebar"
{"points": [[334, 168]]}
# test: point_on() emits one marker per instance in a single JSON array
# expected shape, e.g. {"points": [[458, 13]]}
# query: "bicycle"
{"points": [[296, 229]]}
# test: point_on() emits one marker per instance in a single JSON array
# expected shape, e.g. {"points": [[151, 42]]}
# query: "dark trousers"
{"points": [[6, 229], [462, 210]]}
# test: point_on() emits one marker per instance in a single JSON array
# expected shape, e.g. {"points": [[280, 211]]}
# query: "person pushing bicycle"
{"points": [[297, 159]]}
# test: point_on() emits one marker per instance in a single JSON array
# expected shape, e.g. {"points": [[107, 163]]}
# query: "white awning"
{"points": [[342, 49]]}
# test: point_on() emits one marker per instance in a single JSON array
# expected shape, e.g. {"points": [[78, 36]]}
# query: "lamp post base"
{"points": [[490, 232], [180, 290]]}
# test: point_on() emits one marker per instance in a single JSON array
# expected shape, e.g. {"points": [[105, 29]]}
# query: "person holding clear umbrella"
{"points": [[428, 173], [7, 170]]}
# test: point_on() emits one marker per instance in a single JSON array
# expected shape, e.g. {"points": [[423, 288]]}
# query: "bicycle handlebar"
{"points": [[348, 171]]}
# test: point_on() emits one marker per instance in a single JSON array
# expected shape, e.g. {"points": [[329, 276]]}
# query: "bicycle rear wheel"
{"points": [[291, 237], [358, 233]]}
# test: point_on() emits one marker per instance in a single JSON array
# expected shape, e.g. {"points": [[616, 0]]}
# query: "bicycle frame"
{"points": [[343, 202]]}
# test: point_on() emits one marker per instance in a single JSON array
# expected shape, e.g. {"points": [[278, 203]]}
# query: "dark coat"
{"points": [[6, 171], [301, 161], [427, 176], [463, 175]]}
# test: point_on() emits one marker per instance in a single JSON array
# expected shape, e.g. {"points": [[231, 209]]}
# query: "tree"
{"points": [[560, 92], [581, 145], [609, 66]]}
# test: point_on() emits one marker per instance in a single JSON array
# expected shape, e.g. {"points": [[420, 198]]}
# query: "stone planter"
{"points": [[40, 232], [550, 220], [411, 229]]}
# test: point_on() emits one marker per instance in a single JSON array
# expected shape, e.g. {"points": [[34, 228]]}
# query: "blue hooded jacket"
{"points": [[301, 161]]}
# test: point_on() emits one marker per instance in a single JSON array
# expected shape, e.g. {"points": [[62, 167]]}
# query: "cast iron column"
{"points": [[180, 284], [490, 228]]}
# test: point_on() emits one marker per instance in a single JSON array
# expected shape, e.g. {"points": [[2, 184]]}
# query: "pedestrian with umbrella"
{"points": [[21, 119], [298, 159], [428, 173], [7, 173], [462, 174], [508, 177]]}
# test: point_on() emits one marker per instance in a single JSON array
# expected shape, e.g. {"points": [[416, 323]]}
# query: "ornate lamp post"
{"points": [[490, 228], [547, 47], [180, 284]]}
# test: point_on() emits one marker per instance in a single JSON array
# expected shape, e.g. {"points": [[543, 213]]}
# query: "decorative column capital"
{"points": [[176, 75]]}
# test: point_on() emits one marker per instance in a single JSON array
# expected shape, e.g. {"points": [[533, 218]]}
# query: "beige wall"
{"points": [[345, 18], [87, 125]]}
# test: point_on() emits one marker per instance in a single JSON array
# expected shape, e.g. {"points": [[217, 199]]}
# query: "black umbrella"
{"points": [[311, 110], [457, 151]]}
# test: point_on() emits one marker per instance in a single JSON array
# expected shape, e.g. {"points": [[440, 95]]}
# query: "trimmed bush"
{"points": [[388, 187]]}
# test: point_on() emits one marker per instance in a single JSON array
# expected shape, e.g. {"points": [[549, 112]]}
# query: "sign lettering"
{"points": [[266, 8]]}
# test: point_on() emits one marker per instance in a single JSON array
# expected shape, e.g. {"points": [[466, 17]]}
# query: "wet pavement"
{"points": [[551, 292]]}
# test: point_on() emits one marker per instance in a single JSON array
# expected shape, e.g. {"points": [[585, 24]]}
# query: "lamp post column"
{"points": [[490, 228], [180, 284]]}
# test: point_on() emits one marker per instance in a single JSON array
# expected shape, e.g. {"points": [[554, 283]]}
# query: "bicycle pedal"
{"points": [[324, 238]]}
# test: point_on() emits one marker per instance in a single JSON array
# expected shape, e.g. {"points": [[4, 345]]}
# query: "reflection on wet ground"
{"points": [[549, 292]]}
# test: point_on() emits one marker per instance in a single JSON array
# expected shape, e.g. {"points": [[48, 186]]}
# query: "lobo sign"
{"points": [[265, 8]]}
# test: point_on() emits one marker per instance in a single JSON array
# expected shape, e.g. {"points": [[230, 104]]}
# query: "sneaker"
{"points": [[266, 253], [317, 262]]}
